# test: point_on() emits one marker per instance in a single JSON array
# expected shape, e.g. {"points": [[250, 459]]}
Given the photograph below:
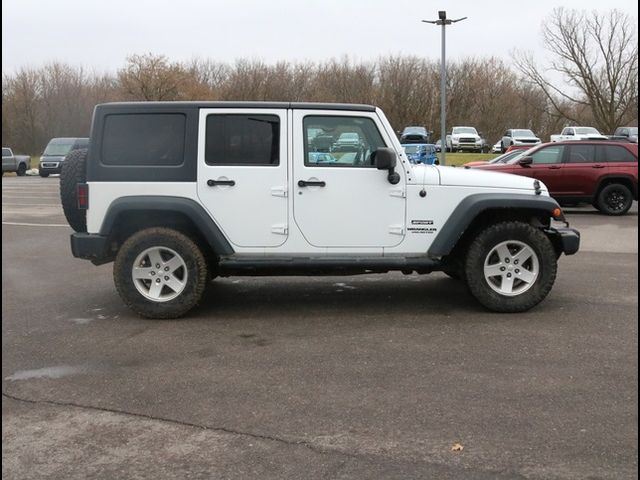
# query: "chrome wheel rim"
{"points": [[159, 274], [511, 268]]}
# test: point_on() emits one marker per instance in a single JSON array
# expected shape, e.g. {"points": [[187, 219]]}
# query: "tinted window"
{"points": [[582, 154], [612, 153], [243, 140], [144, 139], [548, 155], [332, 131]]}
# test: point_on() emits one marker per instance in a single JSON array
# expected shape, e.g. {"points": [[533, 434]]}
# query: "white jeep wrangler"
{"points": [[180, 193]]}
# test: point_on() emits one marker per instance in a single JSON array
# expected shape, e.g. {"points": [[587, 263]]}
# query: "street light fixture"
{"points": [[444, 21]]}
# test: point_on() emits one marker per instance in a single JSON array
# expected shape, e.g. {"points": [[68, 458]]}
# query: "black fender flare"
{"points": [[473, 205], [157, 203]]}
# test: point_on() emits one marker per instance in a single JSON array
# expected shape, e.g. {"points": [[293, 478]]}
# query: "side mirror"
{"points": [[386, 159], [525, 161]]}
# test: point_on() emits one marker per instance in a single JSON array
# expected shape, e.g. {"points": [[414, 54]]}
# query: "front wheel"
{"points": [[43, 174], [614, 199], [510, 267], [160, 273]]}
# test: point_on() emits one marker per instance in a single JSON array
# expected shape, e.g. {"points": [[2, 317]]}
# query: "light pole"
{"points": [[444, 21]]}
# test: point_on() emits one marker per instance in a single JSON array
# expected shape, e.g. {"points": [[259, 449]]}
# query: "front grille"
{"points": [[50, 165], [467, 140]]}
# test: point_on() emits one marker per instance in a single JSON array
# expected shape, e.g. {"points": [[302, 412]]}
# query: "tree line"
{"points": [[489, 93]]}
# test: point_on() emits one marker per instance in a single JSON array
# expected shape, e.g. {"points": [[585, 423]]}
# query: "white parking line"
{"points": [[31, 205], [36, 224]]}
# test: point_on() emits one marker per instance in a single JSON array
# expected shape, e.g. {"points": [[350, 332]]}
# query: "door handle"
{"points": [[311, 183], [597, 166], [213, 183], [554, 167]]}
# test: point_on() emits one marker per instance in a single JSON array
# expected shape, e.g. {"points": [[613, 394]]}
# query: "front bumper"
{"points": [[91, 247], [565, 239], [50, 167]]}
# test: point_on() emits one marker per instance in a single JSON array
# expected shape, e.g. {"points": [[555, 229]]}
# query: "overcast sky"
{"points": [[100, 34]]}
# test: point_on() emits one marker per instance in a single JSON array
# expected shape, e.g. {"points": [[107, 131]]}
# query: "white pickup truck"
{"points": [[578, 133], [15, 163]]}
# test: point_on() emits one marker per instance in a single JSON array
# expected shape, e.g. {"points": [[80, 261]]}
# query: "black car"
{"points": [[414, 135]]}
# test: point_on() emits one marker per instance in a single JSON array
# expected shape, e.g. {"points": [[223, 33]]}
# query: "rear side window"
{"points": [[612, 153], [582, 154], [242, 140], [6, 152], [144, 139]]}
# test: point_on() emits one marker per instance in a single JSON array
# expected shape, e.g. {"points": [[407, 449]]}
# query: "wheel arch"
{"points": [[127, 215], [626, 180], [479, 210]]}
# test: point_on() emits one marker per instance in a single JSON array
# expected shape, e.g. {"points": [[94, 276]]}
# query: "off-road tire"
{"points": [[480, 248], [614, 199], [196, 265], [74, 171], [22, 170]]}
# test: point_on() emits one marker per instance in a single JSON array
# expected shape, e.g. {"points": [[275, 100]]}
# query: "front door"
{"points": [[242, 173], [343, 200], [547, 167]]}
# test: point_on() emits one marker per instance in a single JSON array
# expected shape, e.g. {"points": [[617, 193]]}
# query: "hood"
{"points": [[526, 137], [478, 177]]}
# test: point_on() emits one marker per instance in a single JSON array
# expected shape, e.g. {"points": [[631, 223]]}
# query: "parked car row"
{"points": [[51, 160], [15, 163]]}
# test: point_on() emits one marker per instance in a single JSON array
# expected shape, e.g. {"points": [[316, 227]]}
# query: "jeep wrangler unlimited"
{"points": [[179, 193]]}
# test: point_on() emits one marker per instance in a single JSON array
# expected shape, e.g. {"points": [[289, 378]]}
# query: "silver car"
{"points": [[518, 136]]}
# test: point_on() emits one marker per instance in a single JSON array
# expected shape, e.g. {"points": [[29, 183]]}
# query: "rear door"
{"points": [[581, 170], [242, 173]]}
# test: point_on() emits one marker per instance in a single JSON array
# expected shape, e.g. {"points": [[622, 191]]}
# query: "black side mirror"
{"points": [[525, 161], [386, 159]]}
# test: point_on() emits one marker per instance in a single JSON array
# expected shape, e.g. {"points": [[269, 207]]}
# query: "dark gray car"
{"points": [[58, 148]]}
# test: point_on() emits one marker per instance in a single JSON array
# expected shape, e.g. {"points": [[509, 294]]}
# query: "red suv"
{"points": [[599, 172]]}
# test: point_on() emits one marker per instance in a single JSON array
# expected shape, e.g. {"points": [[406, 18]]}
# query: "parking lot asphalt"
{"points": [[374, 376]]}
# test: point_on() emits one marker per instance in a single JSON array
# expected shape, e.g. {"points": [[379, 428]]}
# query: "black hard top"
{"points": [[273, 105]]}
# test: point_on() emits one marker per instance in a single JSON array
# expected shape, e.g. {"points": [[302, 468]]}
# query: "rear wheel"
{"points": [[160, 273], [73, 172], [614, 199], [510, 267]]}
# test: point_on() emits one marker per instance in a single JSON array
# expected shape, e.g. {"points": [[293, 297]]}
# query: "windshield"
{"points": [[58, 148], [587, 131], [413, 148], [415, 130], [505, 157], [515, 158], [469, 130], [523, 133]]}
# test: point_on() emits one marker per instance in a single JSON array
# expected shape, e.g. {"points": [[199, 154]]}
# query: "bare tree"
{"points": [[597, 55]]}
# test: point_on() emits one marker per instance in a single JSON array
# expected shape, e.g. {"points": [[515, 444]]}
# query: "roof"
{"points": [[270, 105]]}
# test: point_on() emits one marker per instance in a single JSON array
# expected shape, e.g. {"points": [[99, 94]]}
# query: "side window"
{"points": [[612, 153], [242, 139], [568, 131], [6, 152], [582, 154], [507, 133], [548, 155], [143, 139], [348, 141]]}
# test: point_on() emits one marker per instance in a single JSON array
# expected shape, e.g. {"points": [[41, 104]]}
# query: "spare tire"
{"points": [[74, 171]]}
